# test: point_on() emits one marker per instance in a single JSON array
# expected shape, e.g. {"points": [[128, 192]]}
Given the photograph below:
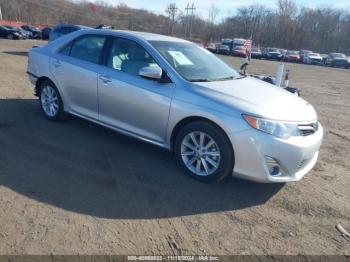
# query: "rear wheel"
{"points": [[204, 151], [50, 101], [10, 36]]}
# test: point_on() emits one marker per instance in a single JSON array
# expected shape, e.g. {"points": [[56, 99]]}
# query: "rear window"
{"points": [[86, 48]]}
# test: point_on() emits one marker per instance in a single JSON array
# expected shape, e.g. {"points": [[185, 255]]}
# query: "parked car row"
{"points": [[270, 53], [24, 32]]}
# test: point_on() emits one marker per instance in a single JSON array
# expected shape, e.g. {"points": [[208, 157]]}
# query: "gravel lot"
{"points": [[77, 188]]}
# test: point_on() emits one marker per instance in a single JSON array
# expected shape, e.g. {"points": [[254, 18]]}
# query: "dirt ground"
{"points": [[77, 188]]}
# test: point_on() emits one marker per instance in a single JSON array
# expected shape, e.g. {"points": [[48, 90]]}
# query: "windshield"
{"points": [[193, 62], [224, 47], [33, 28], [293, 53], [11, 27], [335, 55], [273, 50], [239, 48]]}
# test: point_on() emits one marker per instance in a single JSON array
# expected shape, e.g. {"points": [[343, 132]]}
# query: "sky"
{"points": [[226, 7]]}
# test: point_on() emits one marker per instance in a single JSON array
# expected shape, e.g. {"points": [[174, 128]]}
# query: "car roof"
{"points": [[72, 25], [144, 35]]}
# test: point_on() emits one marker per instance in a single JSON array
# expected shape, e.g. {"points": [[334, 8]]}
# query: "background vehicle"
{"points": [[239, 51], [292, 56], [16, 29], [224, 50], [26, 34], [272, 54], [63, 29], [36, 33], [313, 59], [337, 60], [283, 52], [213, 47], [210, 122], [45, 33], [303, 54], [256, 53], [9, 33], [232, 43]]}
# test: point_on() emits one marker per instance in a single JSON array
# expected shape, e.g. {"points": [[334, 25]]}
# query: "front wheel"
{"points": [[50, 101], [204, 151], [10, 36]]}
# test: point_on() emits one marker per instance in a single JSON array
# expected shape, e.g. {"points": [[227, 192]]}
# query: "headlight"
{"points": [[276, 128]]}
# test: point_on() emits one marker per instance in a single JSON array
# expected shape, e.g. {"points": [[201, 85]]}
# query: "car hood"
{"points": [[315, 57], [253, 96]]}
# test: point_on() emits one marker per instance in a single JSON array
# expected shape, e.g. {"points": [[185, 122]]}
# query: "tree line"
{"points": [[287, 25]]}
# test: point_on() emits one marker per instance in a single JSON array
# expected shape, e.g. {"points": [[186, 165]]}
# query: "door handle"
{"points": [[106, 79], [57, 63]]}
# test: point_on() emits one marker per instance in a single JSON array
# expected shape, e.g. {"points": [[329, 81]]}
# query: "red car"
{"points": [[292, 56], [239, 51]]}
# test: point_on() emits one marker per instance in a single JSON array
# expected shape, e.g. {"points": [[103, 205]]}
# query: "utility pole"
{"points": [[186, 19], [172, 10], [0, 14], [190, 8]]}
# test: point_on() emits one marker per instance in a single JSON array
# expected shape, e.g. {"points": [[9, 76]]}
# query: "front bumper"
{"points": [[296, 155]]}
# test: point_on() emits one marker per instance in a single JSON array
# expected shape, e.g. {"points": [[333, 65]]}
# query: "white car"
{"points": [[313, 59]]}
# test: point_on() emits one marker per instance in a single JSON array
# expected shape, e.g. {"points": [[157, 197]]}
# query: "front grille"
{"points": [[302, 164], [308, 129]]}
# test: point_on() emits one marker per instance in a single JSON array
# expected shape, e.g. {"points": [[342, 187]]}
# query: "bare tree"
{"points": [[213, 14]]}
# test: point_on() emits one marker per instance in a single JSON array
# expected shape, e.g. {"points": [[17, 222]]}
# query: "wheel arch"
{"points": [[190, 119], [45, 78], [39, 81]]}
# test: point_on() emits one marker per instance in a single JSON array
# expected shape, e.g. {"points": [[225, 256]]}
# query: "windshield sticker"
{"points": [[180, 58]]}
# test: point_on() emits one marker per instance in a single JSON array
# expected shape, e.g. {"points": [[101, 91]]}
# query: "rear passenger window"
{"points": [[88, 48], [66, 49]]}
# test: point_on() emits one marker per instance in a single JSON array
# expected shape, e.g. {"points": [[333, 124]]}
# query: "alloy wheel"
{"points": [[49, 101], [200, 153]]}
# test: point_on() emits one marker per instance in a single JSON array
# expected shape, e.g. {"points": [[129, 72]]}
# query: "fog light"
{"points": [[273, 167]]}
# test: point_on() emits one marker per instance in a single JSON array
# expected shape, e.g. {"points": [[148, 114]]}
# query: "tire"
{"points": [[10, 36], [53, 109], [220, 153]]}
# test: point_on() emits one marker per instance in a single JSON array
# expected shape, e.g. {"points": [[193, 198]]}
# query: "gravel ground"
{"points": [[77, 188]]}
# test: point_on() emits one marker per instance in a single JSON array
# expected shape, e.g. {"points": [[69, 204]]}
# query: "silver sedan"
{"points": [[177, 95]]}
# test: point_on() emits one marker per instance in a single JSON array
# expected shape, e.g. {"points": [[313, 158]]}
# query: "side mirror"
{"points": [[151, 72]]}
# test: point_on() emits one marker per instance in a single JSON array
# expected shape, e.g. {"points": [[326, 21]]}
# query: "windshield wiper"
{"points": [[224, 78], [200, 80], [240, 77], [229, 78]]}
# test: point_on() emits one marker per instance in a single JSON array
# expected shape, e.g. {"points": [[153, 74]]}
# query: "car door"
{"points": [[126, 100], [2, 32], [75, 69]]}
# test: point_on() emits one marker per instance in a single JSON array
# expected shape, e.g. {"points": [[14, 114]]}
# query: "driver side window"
{"points": [[128, 56]]}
